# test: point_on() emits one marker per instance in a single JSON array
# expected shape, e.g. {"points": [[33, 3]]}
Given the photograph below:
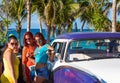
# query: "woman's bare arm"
{"points": [[10, 58]]}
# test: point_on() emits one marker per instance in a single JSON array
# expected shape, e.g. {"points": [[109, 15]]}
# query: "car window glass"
{"points": [[59, 48], [87, 49]]}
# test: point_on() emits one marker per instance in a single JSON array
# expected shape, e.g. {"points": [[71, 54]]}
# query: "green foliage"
{"points": [[6, 22], [98, 21], [2, 37], [94, 12]]}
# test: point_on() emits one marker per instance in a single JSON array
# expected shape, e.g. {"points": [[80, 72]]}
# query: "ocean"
{"points": [[13, 31]]}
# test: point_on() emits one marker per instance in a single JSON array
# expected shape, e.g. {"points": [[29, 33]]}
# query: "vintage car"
{"points": [[87, 57]]}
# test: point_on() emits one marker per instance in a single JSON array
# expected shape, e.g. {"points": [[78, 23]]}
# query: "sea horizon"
{"points": [[33, 30]]}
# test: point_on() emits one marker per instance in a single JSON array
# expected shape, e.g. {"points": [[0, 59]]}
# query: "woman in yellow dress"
{"points": [[10, 61]]}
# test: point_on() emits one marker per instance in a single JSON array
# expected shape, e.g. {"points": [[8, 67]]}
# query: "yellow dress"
{"points": [[6, 77]]}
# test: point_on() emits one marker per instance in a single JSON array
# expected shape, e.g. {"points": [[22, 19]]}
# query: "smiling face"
{"points": [[13, 44], [28, 39], [38, 40]]}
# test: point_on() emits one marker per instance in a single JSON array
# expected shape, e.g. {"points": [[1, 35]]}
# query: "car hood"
{"points": [[106, 69]]}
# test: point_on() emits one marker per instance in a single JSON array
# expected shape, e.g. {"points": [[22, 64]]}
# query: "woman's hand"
{"points": [[27, 55], [32, 60]]}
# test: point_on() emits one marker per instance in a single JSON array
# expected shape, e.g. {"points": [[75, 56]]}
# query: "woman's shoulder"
{"points": [[25, 47], [8, 51]]}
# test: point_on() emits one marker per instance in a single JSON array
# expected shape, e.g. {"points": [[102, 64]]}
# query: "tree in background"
{"points": [[114, 15], [16, 12], [28, 7], [94, 13], [2, 34], [58, 14], [5, 15]]}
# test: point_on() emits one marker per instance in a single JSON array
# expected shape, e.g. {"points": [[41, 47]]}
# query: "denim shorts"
{"points": [[43, 72], [32, 72]]}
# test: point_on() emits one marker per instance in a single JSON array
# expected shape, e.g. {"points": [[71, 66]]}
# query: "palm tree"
{"points": [[66, 13], [84, 8], [4, 14], [39, 7], [55, 14], [2, 34], [28, 6], [94, 13], [18, 13], [16, 10], [114, 16], [49, 14]]}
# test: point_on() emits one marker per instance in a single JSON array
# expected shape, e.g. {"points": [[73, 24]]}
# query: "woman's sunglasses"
{"points": [[16, 44], [39, 41], [27, 39]]}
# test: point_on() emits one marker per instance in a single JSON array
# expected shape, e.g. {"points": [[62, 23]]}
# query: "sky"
{"points": [[34, 22]]}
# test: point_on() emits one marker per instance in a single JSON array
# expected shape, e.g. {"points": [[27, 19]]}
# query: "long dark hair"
{"points": [[12, 37], [38, 34], [8, 40]]}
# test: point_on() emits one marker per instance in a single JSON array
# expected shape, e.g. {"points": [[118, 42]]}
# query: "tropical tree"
{"points": [[2, 34], [114, 15], [95, 14], [5, 15], [18, 13], [55, 14], [66, 13], [39, 7], [49, 14], [118, 6], [84, 13], [28, 7]]}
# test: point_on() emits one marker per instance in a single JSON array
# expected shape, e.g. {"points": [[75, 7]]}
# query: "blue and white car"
{"points": [[87, 57]]}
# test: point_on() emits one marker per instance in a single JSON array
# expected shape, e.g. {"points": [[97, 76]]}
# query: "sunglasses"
{"points": [[27, 39], [39, 41], [16, 44]]}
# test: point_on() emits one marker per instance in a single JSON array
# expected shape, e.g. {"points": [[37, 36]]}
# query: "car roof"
{"points": [[90, 35]]}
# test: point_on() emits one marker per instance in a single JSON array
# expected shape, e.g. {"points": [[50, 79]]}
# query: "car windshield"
{"points": [[93, 49]]}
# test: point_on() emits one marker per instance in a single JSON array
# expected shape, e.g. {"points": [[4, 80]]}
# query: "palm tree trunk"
{"points": [[114, 16], [19, 38], [18, 30], [53, 31], [48, 33], [40, 24], [81, 29], [59, 30], [28, 14], [6, 30], [76, 28], [6, 26]]}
